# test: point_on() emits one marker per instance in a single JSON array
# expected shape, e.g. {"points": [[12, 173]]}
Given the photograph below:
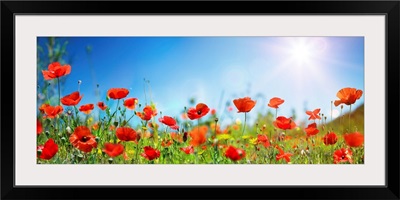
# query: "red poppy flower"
{"points": [[184, 116], [56, 70], [348, 96], [244, 104], [95, 126], [311, 129], [235, 154], [169, 121], [126, 134], [152, 125], [330, 138], [284, 123], [342, 155], [199, 111], [117, 93], [263, 139], [87, 108], [126, 157], [53, 111], [113, 150], [147, 114], [83, 139], [39, 127], [313, 114], [198, 135], [71, 99], [150, 153], [177, 137], [188, 149], [355, 139], [101, 105], [49, 150], [43, 107], [282, 154], [275, 102], [131, 103], [166, 143], [213, 111], [217, 129]]}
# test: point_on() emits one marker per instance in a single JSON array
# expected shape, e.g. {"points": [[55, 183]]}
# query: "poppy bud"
{"points": [[215, 141], [79, 82], [138, 137], [97, 139], [68, 129], [216, 120], [98, 85], [115, 124], [63, 139], [185, 136], [110, 160], [238, 122], [80, 157]]}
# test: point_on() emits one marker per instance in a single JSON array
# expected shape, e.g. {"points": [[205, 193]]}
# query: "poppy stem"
{"points": [[116, 110], [341, 115], [216, 144], [59, 91], [244, 125], [276, 113], [130, 118], [76, 116], [137, 152], [349, 118], [198, 126]]}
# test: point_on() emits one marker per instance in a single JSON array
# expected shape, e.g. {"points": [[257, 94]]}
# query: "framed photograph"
{"points": [[265, 99]]}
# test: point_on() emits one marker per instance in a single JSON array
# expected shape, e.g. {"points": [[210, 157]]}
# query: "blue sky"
{"points": [[306, 72]]}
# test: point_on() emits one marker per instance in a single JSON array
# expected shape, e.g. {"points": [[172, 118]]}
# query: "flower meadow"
{"points": [[195, 137]]}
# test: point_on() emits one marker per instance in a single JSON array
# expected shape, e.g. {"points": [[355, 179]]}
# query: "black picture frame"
{"points": [[9, 9]]}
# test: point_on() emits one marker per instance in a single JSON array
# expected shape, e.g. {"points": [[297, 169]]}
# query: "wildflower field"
{"points": [[125, 129]]}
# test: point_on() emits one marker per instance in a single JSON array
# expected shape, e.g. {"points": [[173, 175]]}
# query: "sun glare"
{"points": [[301, 53]]}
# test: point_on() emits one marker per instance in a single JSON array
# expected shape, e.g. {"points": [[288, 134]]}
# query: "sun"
{"points": [[301, 53]]}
